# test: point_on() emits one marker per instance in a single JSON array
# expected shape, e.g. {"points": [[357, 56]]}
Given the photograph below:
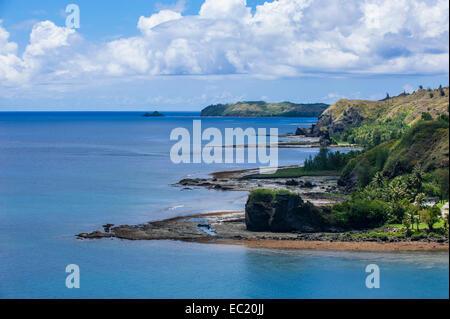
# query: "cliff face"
{"points": [[263, 109], [285, 213]]}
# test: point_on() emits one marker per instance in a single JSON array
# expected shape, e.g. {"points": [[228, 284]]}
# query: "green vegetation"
{"points": [[360, 170], [394, 200], [424, 144], [406, 161], [328, 161], [426, 116], [266, 195], [325, 163], [404, 166], [370, 135], [360, 214], [264, 109]]}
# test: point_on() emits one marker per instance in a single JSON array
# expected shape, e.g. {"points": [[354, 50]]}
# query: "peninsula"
{"points": [[264, 109]]}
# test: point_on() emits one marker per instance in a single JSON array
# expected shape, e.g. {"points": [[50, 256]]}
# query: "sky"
{"points": [[182, 55]]}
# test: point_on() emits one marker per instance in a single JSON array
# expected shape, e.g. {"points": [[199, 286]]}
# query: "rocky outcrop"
{"points": [[154, 114], [285, 213], [326, 124]]}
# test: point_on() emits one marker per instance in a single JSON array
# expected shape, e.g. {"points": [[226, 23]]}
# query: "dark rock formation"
{"points": [[292, 182], [154, 114], [327, 125], [94, 235], [285, 213], [302, 131], [107, 227]]}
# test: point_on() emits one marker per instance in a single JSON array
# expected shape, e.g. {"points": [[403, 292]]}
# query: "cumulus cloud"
{"points": [[9, 62], [280, 38], [42, 57]]}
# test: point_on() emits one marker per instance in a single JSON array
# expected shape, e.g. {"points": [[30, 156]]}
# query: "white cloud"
{"points": [[146, 24], [46, 36], [281, 38], [9, 62], [42, 57], [225, 9]]}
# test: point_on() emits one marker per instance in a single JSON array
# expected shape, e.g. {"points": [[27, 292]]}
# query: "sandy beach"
{"points": [[338, 245]]}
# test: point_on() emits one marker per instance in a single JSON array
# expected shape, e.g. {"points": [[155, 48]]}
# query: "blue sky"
{"points": [[184, 55]]}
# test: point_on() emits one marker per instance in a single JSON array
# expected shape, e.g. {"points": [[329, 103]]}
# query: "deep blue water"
{"points": [[66, 173]]}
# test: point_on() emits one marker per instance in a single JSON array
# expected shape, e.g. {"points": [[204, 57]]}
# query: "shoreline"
{"points": [[228, 228], [321, 190], [338, 245]]}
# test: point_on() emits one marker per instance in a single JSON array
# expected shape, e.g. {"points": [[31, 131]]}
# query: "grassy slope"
{"points": [[408, 107], [426, 143]]}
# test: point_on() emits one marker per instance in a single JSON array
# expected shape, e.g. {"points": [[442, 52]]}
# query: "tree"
{"points": [[430, 216], [378, 180], [420, 200], [445, 218], [420, 87], [407, 223], [415, 181]]}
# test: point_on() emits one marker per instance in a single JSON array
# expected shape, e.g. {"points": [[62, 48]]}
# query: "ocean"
{"points": [[63, 173]]}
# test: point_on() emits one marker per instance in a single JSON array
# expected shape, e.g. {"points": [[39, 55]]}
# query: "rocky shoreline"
{"points": [[319, 190], [230, 228]]}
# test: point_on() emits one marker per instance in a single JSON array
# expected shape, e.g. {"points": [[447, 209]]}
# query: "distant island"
{"points": [[264, 109], [154, 114]]}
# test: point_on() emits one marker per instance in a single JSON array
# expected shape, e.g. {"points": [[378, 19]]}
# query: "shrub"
{"points": [[434, 235], [430, 216], [426, 116], [360, 213], [418, 235]]}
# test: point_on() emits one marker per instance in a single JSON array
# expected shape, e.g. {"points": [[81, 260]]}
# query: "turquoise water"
{"points": [[66, 173]]}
